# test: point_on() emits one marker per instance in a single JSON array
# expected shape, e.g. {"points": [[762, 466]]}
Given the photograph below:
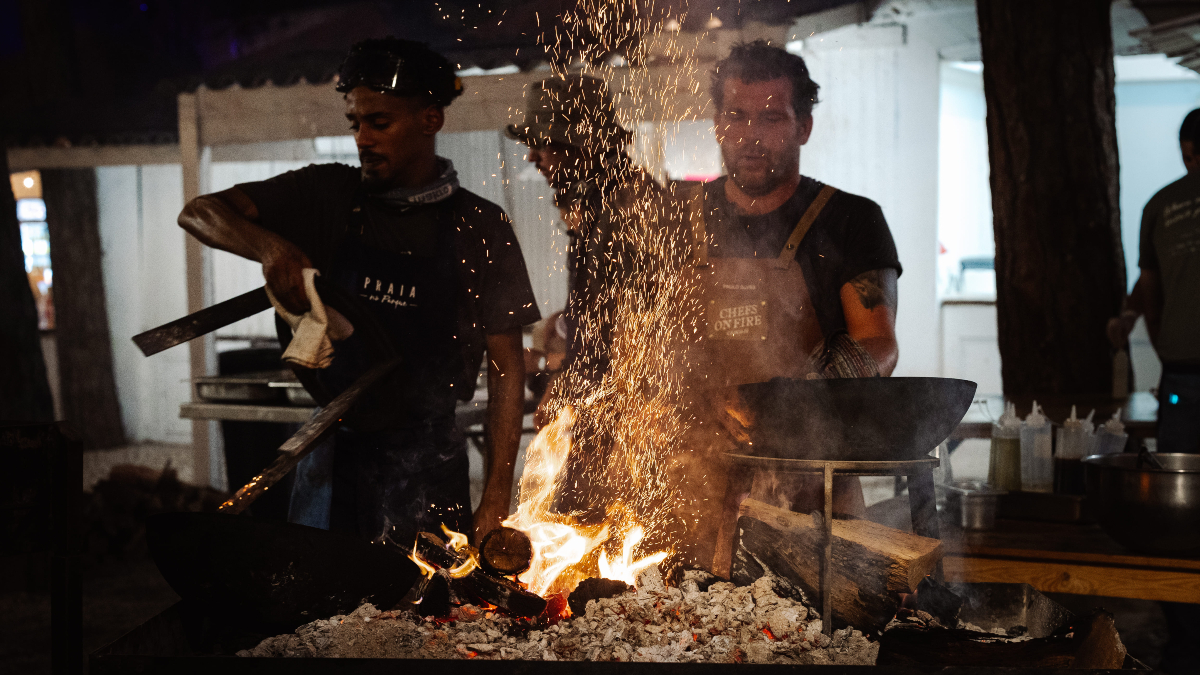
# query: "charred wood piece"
{"points": [[594, 589], [935, 598], [479, 584], [505, 551], [433, 595], [1090, 642]]}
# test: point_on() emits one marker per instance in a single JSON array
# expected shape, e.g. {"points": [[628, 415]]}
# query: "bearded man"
{"points": [[798, 279]]}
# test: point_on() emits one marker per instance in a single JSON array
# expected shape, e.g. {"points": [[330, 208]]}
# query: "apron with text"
{"points": [[758, 320], [409, 465]]}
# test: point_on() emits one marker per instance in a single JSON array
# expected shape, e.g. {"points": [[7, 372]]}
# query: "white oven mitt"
{"points": [[314, 331]]}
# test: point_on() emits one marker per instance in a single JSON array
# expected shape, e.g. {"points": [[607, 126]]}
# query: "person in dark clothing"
{"points": [[577, 143], [439, 269], [798, 279], [1166, 295]]}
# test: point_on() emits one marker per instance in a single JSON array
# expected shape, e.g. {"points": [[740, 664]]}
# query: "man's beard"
{"points": [[778, 171], [372, 178]]}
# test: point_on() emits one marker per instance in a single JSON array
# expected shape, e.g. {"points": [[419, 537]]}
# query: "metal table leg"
{"points": [[827, 559]]}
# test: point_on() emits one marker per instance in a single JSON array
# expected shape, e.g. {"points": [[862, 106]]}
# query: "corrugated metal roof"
{"points": [[309, 46]]}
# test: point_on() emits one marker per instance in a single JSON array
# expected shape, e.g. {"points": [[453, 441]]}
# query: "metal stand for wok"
{"points": [[921, 497]]}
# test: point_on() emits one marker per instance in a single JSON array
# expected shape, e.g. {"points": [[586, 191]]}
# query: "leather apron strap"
{"points": [[788, 254], [695, 208]]}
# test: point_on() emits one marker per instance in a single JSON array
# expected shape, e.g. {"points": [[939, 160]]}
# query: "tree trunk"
{"points": [[24, 389], [89, 393], [1060, 270]]}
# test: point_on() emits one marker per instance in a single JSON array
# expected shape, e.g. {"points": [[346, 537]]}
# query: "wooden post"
{"points": [[196, 265], [1060, 272], [89, 390]]}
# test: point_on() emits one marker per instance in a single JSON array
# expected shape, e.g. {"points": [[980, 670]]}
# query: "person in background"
{"points": [[798, 278], [577, 143], [1167, 294], [439, 269]]}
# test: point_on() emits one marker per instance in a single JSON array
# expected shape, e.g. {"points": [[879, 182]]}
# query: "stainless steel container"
{"points": [[1143, 508], [973, 505]]}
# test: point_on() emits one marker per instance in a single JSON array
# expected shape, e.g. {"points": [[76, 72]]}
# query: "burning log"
{"points": [[475, 582], [872, 564], [505, 551]]}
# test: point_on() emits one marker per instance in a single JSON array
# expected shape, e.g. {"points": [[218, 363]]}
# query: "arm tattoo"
{"points": [[876, 287]]}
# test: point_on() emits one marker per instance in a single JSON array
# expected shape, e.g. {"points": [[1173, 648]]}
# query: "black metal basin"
{"points": [[867, 419], [1143, 508], [273, 574]]}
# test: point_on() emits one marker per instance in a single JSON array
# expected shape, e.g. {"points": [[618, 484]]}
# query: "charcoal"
{"points": [[724, 624], [434, 595], [939, 601], [594, 589]]}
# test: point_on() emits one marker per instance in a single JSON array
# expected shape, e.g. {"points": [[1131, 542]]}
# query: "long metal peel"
{"points": [[306, 439], [203, 322]]}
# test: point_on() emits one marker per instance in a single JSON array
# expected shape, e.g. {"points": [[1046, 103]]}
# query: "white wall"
{"points": [[875, 134], [964, 191], [1152, 96], [145, 287]]}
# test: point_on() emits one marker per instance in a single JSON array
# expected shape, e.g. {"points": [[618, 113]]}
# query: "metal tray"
{"points": [[247, 387], [296, 393]]}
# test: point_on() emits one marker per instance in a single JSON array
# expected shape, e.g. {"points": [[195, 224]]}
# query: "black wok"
{"points": [[865, 419], [271, 573]]}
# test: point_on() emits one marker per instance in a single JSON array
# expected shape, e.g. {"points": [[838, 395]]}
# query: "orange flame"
{"points": [[560, 545], [626, 568], [427, 570]]}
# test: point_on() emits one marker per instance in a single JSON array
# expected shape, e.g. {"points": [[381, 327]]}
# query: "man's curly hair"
{"points": [[760, 62]]}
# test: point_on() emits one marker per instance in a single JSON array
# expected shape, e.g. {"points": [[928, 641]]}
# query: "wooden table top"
{"points": [[1066, 558]]}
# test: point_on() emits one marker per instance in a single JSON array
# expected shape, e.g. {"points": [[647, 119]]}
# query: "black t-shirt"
{"points": [[848, 238], [312, 208]]}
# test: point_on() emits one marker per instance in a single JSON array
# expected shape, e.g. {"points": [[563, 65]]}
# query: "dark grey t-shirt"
{"points": [[311, 207], [850, 237], [1170, 245]]}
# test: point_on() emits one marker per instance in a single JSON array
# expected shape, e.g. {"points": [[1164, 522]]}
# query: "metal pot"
{"points": [[1144, 508]]}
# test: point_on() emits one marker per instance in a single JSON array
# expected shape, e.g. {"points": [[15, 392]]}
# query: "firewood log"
{"points": [[872, 564], [505, 551], [480, 584]]}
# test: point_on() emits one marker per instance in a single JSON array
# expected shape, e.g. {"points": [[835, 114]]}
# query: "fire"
{"points": [[625, 568], [427, 570], [458, 542], [560, 545]]}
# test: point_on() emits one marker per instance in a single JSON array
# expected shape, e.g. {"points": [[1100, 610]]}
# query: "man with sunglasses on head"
{"points": [[578, 144], [438, 268]]}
